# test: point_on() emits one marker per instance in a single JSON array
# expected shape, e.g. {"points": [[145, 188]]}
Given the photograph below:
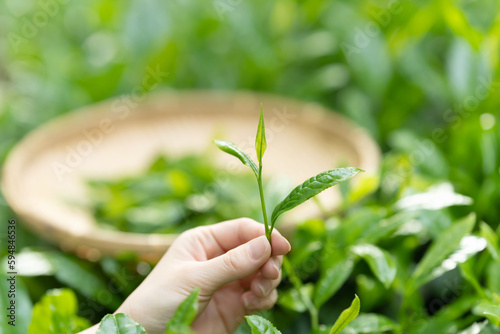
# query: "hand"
{"points": [[233, 264]]}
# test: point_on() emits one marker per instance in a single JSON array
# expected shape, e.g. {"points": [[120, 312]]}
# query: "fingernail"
{"points": [[276, 264], [258, 247], [262, 289], [278, 233], [289, 246], [246, 301]]}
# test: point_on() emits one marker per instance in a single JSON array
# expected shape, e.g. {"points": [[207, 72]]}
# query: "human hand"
{"points": [[233, 264]]}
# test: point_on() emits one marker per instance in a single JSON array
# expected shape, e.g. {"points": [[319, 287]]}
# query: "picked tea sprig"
{"points": [[297, 196]]}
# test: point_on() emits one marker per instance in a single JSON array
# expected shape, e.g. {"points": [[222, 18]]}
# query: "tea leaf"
{"points": [[56, 313], [292, 300], [260, 148], [371, 323], [311, 188], [475, 328], [346, 316], [489, 310], [468, 247], [332, 279], [119, 324], [492, 240], [260, 325], [380, 262], [79, 275], [442, 247], [184, 316], [386, 227], [260, 139], [232, 149], [469, 274], [492, 274]]}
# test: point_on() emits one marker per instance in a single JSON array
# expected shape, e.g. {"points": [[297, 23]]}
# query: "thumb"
{"points": [[237, 263]]}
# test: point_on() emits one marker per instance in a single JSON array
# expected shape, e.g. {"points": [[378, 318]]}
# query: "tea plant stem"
{"points": [[313, 313], [263, 204]]}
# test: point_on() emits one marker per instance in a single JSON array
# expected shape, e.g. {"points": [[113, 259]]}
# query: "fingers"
{"points": [[262, 294], [272, 268], [237, 249], [254, 304], [220, 238], [232, 233], [237, 263], [261, 286]]}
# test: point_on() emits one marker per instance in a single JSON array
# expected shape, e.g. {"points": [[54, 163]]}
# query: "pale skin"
{"points": [[232, 262]]}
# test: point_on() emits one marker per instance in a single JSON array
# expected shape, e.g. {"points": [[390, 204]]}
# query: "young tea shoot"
{"points": [[297, 196]]}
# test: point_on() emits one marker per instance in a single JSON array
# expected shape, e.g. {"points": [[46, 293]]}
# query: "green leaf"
{"points": [[457, 308], [470, 275], [23, 305], [475, 328], [381, 263], [232, 149], [440, 249], [432, 325], [260, 139], [346, 316], [292, 299], [311, 188], [332, 279], [185, 314], [488, 310], [435, 198], [260, 325], [55, 313], [356, 224], [371, 323], [386, 227], [119, 324], [370, 291], [492, 274], [80, 276], [492, 240], [468, 247]]}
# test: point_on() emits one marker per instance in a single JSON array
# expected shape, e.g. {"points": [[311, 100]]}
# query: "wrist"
{"points": [[147, 307], [134, 308]]}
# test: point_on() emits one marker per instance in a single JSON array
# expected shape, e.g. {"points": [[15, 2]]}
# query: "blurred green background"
{"points": [[421, 76], [418, 67]]}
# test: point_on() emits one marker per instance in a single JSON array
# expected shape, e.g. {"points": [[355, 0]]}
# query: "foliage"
{"points": [[260, 325], [403, 260], [56, 313], [185, 314], [346, 317], [311, 187], [418, 265], [421, 76], [119, 324], [179, 324]]}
